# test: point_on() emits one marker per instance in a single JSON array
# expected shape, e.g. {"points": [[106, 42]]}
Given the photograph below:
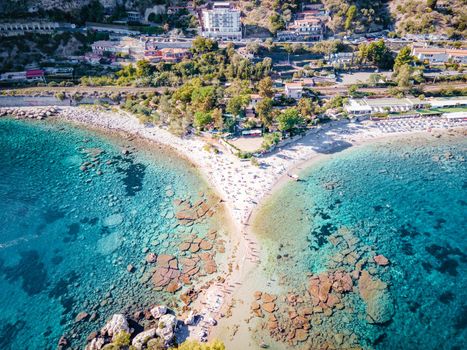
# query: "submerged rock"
{"points": [[379, 303], [381, 260], [110, 243], [81, 316], [113, 220], [151, 258]]}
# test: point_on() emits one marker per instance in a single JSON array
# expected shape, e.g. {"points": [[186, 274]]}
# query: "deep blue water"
{"points": [[403, 199], [68, 235]]}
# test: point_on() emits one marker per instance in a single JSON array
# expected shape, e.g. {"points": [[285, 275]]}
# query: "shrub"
{"points": [[244, 155], [122, 339], [270, 140], [155, 344], [194, 345], [60, 96]]}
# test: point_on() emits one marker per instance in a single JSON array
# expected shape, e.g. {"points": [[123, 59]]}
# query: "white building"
{"points": [[366, 106], [342, 58], [221, 22], [397, 105], [436, 55], [114, 47], [294, 90], [308, 28], [133, 16], [13, 76]]}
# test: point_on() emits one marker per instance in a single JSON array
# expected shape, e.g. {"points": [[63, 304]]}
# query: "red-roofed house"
{"points": [[294, 90], [34, 74], [167, 54]]}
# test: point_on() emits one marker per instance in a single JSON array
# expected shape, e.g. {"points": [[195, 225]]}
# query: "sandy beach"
{"points": [[243, 186]]}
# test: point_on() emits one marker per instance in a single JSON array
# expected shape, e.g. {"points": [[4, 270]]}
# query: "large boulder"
{"points": [[96, 344], [117, 324], [379, 303], [158, 311], [166, 326], [142, 338], [190, 320]]}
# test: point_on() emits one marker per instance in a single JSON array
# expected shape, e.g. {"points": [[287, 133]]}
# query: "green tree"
{"points": [[218, 118], [376, 53], [403, 57], [265, 87], [351, 12], [203, 98], [270, 139], [404, 76], [237, 103], [276, 23], [92, 12], [203, 45], [253, 47], [238, 87], [264, 110], [143, 69], [289, 119], [202, 119], [305, 107]]}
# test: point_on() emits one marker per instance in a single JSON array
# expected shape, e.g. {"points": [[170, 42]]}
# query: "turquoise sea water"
{"points": [[68, 235], [405, 199]]}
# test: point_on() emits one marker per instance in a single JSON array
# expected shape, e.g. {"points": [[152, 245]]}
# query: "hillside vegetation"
{"points": [[430, 16]]}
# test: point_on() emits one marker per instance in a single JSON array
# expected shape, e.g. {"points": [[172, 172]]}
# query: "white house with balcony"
{"points": [[437, 55], [306, 27], [222, 21], [294, 90]]}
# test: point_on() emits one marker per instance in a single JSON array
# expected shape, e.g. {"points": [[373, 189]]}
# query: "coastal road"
{"points": [[86, 89], [323, 90]]}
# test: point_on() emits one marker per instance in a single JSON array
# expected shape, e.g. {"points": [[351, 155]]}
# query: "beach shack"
{"points": [[252, 133]]}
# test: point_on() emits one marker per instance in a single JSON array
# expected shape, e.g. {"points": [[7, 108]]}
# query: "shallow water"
{"points": [[405, 199], [68, 235]]}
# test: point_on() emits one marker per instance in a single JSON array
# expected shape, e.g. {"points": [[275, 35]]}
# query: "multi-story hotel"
{"points": [[222, 21]]}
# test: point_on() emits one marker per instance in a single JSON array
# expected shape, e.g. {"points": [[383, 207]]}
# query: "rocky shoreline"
{"points": [[38, 113], [237, 182], [295, 317]]}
